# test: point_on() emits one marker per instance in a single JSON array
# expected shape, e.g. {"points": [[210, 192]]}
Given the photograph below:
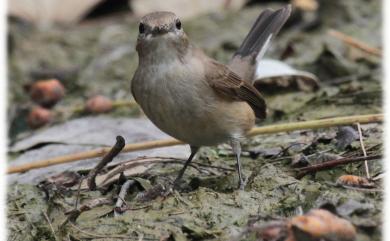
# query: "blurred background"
{"points": [[89, 47]]}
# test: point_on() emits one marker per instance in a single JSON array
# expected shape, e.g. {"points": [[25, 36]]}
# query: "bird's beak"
{"points": [[159, 30]]}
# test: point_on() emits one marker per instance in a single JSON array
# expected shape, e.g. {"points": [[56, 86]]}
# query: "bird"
{"points": [[193, 97]]}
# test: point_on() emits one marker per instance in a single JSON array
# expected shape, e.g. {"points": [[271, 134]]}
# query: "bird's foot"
{"points": [[242, 183], [170, 189], [167, 193]]}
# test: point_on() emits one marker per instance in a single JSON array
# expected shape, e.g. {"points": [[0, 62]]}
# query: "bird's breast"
{"points": [[178, 100]]}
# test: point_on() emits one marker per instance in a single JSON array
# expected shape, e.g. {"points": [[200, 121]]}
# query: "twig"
{"points": [[120, 143], [363, 149], [115, 104], [304, 125], [316, 124], [146, 161], [141, 161], [330, 164], [92, 154], [121, 196], [151, 193], [215, 167], [95, 235], [76, 203], [51, 226], [75, 213], [123, 200], [355, 43], [125, 208]]}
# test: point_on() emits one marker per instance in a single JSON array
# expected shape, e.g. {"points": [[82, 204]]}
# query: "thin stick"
{"points": [[304, 125], [330, 164], [120, 143], [316, 124], [96, 235], [78, 193], [73, 214], [363, 149], [92, 154], [139, 162], [51, 226], [125, 208], [115, 104], [121, 196], [355, 43]]}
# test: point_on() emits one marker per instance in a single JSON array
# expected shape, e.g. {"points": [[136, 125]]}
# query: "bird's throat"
{"points": [[162, 50]]}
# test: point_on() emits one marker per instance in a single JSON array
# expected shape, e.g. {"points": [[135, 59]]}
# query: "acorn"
{"points": [[39, 117], [355, 181], [98, 104], [320, 224], [47, 93]]}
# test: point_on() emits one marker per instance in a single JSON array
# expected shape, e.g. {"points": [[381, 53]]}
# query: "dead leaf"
{"points": [[355, 181], [273, 75], [319, 224]]}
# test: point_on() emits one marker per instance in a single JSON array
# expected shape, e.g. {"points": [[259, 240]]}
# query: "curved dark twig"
{"points": [[115, 150]]}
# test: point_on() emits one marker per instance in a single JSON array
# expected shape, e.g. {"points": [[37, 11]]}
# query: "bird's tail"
{"points": [[256, 43]]}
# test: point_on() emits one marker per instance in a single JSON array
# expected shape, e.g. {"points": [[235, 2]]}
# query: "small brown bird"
{"points": [[194, 98]]}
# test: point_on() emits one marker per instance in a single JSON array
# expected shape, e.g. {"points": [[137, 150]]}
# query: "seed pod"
{"points": [[39, 117], [355, 181], [47, 92], [320, 224], [98, 104]]}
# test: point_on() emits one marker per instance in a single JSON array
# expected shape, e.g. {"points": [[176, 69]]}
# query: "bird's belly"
{"points": [[184, 117]]}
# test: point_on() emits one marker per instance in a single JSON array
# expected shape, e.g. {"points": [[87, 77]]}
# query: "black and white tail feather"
{"points": [[256, 43]]}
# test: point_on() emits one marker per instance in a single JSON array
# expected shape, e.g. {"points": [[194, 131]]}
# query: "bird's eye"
{"points": [[178, 24], [141, 28]]}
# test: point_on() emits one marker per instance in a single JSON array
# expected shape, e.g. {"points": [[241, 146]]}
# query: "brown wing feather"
{"points": [[230, 85]]}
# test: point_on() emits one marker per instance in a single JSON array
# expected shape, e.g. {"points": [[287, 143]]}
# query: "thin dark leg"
{"points": [[236, 146], [194, 150]]}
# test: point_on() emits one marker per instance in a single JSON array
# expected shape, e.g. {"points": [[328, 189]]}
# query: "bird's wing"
{"points": [[229, 85]]}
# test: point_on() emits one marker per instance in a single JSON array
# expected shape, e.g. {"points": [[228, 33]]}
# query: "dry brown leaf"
{"points": [[320, 224], [355, 181], [273, 75]]}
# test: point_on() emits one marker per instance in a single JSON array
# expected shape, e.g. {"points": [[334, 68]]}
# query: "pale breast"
{"points": [[177, 99]]}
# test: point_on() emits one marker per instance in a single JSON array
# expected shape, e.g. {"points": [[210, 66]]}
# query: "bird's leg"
{"points": [[194, 150], [236, 146]]}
